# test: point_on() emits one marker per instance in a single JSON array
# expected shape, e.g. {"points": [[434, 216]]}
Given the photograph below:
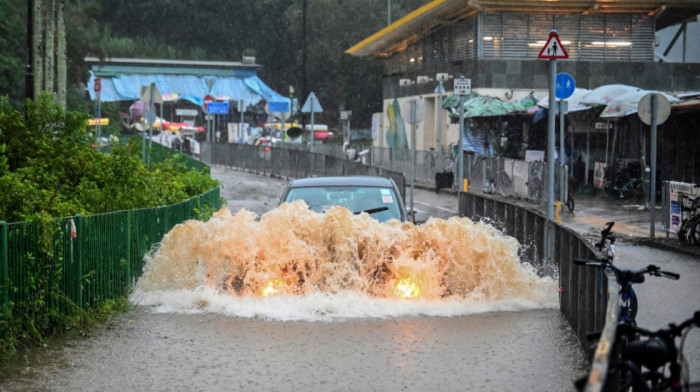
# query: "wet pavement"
{"points": [[147, 349]]}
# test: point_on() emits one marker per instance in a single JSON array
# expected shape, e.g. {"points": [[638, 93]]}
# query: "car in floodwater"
{"points": [[377, 196]]}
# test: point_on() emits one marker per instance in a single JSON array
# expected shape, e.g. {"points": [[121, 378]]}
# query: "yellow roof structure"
{"points": [[438, 13]]}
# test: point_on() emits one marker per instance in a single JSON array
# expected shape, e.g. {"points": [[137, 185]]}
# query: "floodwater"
{"points": [[295, 300]]}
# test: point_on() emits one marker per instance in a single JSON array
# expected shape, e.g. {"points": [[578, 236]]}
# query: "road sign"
{"points": [[312, 105], [146, 94], [462, 86], [207, 100], [98, 85], [663, 108], [278, 107], [565, 86], [150, 116], [217, 108], [406, 110], [345, 114], [186, 112], [553, 49]]}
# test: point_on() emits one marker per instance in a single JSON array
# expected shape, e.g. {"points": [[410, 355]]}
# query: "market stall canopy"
{"points": [[482, 106], [121, 80], [574, 100], [627, 104]]}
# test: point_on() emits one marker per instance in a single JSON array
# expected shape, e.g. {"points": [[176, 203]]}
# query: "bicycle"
{"points": [[627, 278], [653, 352], [606, 245], [690, 226], [633, 187]]}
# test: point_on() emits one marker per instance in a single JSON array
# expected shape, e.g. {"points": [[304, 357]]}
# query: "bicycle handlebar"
{"points": [[673, 330], [627, 276]]}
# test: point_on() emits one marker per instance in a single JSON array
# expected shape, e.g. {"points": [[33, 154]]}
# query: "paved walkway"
{"points": [[632, 220]]}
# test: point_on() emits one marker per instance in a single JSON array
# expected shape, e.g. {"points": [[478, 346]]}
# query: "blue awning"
{"points": [[126, 87]]}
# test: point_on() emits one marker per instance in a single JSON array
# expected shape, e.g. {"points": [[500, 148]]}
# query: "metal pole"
{"points": [[150, 124], [241, 107], [551, 139], [440, 164], [4, 263], [551, 121], [413, 154], [460, 152], [652, 191], [312, 123], [283, 131], [562, 153]]}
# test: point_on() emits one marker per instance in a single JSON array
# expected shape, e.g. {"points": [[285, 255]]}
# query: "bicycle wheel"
{"points": [[607, 188], [570, 204]]}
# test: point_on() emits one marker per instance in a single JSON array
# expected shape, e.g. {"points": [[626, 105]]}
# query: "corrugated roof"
{"points": [[421, 22]]}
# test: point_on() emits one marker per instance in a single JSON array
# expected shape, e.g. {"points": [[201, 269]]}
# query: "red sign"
{"points": [[98, 85], [553, 49], [207, 98]]}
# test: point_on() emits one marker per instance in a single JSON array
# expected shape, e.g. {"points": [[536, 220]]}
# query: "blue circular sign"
{"points": [[565, 86]]}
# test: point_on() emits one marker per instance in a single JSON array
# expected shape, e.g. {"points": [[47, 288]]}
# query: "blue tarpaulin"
{"points": [[126, 87]]}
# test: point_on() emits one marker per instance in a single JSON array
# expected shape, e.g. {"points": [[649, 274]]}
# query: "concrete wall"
{"points": [[532, 75]]}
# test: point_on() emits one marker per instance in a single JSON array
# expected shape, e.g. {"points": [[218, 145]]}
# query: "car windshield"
{"points": [[354, 198]]}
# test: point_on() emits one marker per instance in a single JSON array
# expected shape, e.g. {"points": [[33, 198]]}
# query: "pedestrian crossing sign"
{"points": [[553, 49]]}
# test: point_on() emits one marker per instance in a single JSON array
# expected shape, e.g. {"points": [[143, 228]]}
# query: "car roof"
{"points": [[342, 181]]}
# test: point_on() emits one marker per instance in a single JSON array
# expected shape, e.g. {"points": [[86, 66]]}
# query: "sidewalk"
{"points": [[591, 213]]}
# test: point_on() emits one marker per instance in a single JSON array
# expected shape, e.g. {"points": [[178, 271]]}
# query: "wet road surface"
{"points": [[146, 350]]}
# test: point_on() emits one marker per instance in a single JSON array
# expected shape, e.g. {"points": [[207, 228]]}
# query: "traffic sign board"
{"points": [[217, 108], [278, 107], [151, 91], [663, 108], [98, 85], [312, 105], [565, 86], [553, 49], [462, 86]]}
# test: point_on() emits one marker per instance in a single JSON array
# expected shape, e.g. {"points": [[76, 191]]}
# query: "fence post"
{"points": [[5, 300], [80, 236], [128, 249]]}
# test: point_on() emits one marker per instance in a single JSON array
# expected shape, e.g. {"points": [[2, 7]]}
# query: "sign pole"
{"points": [[440, 164], [562, 154], [652, 190], [413, 154], [460, 152], [550, 158], [311, 98]]}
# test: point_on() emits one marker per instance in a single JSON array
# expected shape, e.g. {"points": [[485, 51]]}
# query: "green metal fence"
{"points": [[83, 260]]}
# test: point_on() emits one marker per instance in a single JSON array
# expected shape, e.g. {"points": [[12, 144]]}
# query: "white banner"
{"points": [[675, 213]]}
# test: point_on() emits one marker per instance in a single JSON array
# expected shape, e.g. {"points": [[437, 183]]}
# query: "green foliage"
{"points": [[12, 51], [48, 167]]}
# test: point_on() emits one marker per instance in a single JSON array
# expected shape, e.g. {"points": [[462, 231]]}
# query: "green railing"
{"points": [[83, 260]]}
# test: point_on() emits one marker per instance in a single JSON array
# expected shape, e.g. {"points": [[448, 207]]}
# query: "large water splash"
{"points": [[293, 263]]}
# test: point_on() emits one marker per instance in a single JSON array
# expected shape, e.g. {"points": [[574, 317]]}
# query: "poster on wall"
{"points": [[375, 127], [599, 175], [232, 129], [676, 191]]}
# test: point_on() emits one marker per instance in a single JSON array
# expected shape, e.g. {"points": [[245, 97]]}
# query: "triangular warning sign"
{"points": [[553, 49]]}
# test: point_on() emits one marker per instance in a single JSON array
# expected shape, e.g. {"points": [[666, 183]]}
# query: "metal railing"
{"points": [[83, 260], [291, 163], [579, 302]]}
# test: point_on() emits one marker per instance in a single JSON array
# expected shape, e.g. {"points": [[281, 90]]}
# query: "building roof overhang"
{"points": [[439, 13]]}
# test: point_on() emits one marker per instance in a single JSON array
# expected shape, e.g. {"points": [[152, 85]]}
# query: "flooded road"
{"points": [[191, 339], [142, 350]]}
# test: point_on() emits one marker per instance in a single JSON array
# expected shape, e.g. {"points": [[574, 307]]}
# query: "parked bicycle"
{"points": [[627, 278], [633, 187], [606, 245], [690, 215], [629, 304], [653, 360]]}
